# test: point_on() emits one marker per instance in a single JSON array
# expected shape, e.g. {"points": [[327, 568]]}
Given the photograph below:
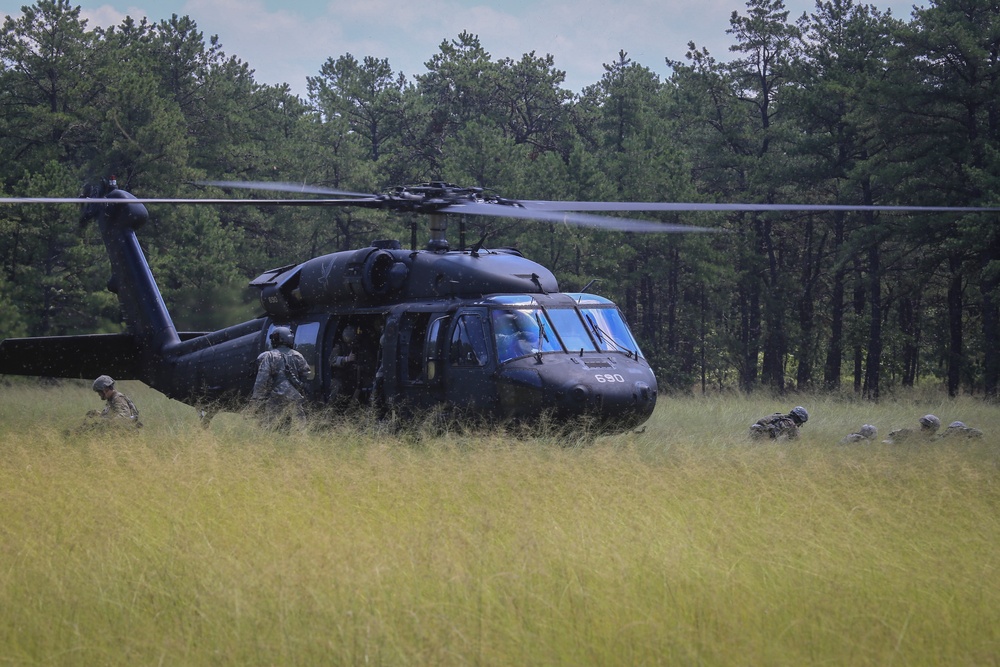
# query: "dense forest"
{"points": [[846, 105]]}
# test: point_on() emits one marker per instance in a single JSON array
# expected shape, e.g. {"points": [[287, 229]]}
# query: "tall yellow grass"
{"points": [[682, 544]]}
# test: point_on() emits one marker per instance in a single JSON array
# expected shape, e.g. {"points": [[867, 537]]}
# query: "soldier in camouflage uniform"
{"points": [[281, 376], [779, 426], [119, 411], [929, 425], [866, 433], [958, 429]]}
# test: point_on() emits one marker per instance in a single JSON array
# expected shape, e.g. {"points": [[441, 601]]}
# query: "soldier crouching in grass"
{"points": [[958, 429], [119, 412], [779, 426], [867, 433], [929, 425]]}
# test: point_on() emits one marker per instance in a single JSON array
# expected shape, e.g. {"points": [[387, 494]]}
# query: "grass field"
{"points": [[682, 544]]}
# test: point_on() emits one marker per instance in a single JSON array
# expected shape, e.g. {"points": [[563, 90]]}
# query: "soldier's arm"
{"points": [[305, 372], [262, 385]]}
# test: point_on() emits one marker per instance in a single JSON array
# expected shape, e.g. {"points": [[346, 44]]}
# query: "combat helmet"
{"points": [[103, 382], [799, 414], [282, 336], [930, 423]]}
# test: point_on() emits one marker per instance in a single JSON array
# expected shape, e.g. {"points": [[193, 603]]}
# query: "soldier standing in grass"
{"points": [[281, 376], [780, 426], [929, 425]]}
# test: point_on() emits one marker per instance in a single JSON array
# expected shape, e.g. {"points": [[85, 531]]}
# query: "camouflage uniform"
{"points": [[346, 361], [958, 429], [120, 407], [119, 410], [281, 376], [929, 425], [866, 433], [778, 425]]}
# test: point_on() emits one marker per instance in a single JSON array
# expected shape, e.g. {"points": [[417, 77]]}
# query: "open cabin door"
{"points": [[412, 358]]}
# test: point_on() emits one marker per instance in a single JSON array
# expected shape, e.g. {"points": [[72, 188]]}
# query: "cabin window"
{"points": [[432, 348], [410, 347], [414, 362], [468, 342], [306, 338]]}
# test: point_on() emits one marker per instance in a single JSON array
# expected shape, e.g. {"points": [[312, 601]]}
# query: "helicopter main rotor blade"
{"points": [[696, 206], [370, 203], [282, 187], [570, 218], [552, 211]]}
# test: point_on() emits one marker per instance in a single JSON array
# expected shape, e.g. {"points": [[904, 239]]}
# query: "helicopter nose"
{"points": [[643, 393], [616, 402], [621, 399], [638, 397]]}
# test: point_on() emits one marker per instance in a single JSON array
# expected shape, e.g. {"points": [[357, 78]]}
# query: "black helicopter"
{"points": [[476, 329]]}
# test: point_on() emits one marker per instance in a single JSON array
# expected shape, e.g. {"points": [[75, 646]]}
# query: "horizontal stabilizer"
{"points": [[85, 357]]}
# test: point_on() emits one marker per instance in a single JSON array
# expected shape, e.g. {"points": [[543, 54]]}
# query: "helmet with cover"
{"points": [[799, 414], [282, 336], [930, 423], [103, 382]]}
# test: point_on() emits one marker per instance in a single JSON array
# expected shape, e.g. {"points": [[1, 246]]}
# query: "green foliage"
{"points": [[845, 105]]}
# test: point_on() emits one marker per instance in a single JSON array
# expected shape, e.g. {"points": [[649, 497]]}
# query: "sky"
{"points": [[285, 41]]}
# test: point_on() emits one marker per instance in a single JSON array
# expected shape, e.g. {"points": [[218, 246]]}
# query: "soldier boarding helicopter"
{"points": [[478, 330]]}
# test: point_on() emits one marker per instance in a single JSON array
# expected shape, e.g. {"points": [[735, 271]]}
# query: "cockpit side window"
{"points": [[520, 332], [468, 342]]}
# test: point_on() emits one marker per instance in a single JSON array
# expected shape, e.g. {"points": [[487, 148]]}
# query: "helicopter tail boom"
{"points": [[87, 356], [151, 335], [142, 305]]}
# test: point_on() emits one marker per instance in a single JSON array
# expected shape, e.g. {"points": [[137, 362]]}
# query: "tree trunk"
{"points": [[772, 368], [748, 293], [991, 321], [859, 311], [835, 350], [954, 326], [909, 327], [803, 376], [749, 333], [873, 363]]}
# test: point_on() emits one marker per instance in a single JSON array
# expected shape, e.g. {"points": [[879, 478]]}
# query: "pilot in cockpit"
{"points": [[516, 334]]}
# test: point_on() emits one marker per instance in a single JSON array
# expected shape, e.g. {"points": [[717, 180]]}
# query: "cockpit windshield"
{"points": [[594, 324], [610, 329]]}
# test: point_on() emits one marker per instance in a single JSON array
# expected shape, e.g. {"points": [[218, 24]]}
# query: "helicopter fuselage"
{"points": [[427, 333], [486, 332]]}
